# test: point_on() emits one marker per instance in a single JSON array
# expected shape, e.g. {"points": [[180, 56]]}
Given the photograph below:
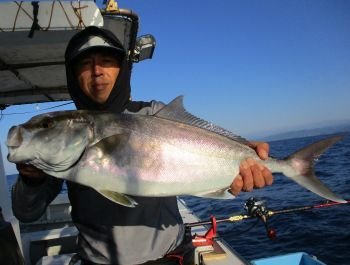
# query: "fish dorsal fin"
{"points": [[175, 111]]}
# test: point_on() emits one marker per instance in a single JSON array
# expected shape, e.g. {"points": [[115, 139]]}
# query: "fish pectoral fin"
{"points": [[119, 198], [223, 194]]}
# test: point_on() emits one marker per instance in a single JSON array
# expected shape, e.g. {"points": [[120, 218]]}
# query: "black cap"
{"points": [[96, 39]]}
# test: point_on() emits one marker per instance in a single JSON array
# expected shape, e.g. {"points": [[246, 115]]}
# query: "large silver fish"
{"points": [[169, 153]]}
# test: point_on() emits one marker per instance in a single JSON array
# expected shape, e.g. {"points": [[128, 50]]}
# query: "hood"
{"points": [[85, 41]]}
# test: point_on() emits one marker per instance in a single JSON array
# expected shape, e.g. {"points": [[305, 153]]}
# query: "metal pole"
{"points": [[5, 203]]}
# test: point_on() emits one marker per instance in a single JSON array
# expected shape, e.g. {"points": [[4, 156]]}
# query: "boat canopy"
{"points": [[33, 39]]}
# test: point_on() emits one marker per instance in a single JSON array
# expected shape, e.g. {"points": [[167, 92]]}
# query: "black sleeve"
{"points": [[29, 202]]}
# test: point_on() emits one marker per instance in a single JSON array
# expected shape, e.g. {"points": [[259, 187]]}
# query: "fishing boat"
{"points": [[33, 38]]}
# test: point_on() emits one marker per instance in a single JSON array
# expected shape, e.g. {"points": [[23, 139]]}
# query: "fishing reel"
{"points": [[257, 208]]}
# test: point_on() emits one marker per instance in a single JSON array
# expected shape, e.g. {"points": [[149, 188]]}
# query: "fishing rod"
{"points": [[254, 209]]}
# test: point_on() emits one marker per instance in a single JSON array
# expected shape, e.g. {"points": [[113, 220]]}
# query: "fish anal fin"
{"points": [[223, 194], [119, 198]]}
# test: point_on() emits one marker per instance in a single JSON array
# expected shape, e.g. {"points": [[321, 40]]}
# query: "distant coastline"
{"points": [[332, 129]]}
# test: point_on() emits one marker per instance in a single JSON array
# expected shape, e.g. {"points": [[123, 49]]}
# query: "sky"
{"points": [[254, 67]]}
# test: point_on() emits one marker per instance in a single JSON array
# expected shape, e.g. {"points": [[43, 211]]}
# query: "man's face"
{"points": [[97, 73]]}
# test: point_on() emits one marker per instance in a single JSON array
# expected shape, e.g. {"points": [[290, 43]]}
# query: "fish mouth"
{"points": [[11, 154], [15, 138], [14, 158]]}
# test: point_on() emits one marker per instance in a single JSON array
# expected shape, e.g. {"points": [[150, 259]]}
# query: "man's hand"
{"points": [[31, 174], [253, 174]]}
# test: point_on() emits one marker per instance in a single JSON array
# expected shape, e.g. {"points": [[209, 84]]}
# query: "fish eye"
{"points": [[47, 124]]}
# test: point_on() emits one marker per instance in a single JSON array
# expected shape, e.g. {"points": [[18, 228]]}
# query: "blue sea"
{"points": [[323, 232]]}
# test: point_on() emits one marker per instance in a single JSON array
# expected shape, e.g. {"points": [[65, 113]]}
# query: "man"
{"points": [[98, 76]]}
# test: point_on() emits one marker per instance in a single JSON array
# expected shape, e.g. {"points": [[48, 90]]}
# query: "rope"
{"points": [[24, 11], [14, 23], [65, 13], [77, 12], [52, 7]]}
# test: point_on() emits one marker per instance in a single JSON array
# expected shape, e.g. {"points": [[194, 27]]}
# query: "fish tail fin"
{"points": [[302, 163]]}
